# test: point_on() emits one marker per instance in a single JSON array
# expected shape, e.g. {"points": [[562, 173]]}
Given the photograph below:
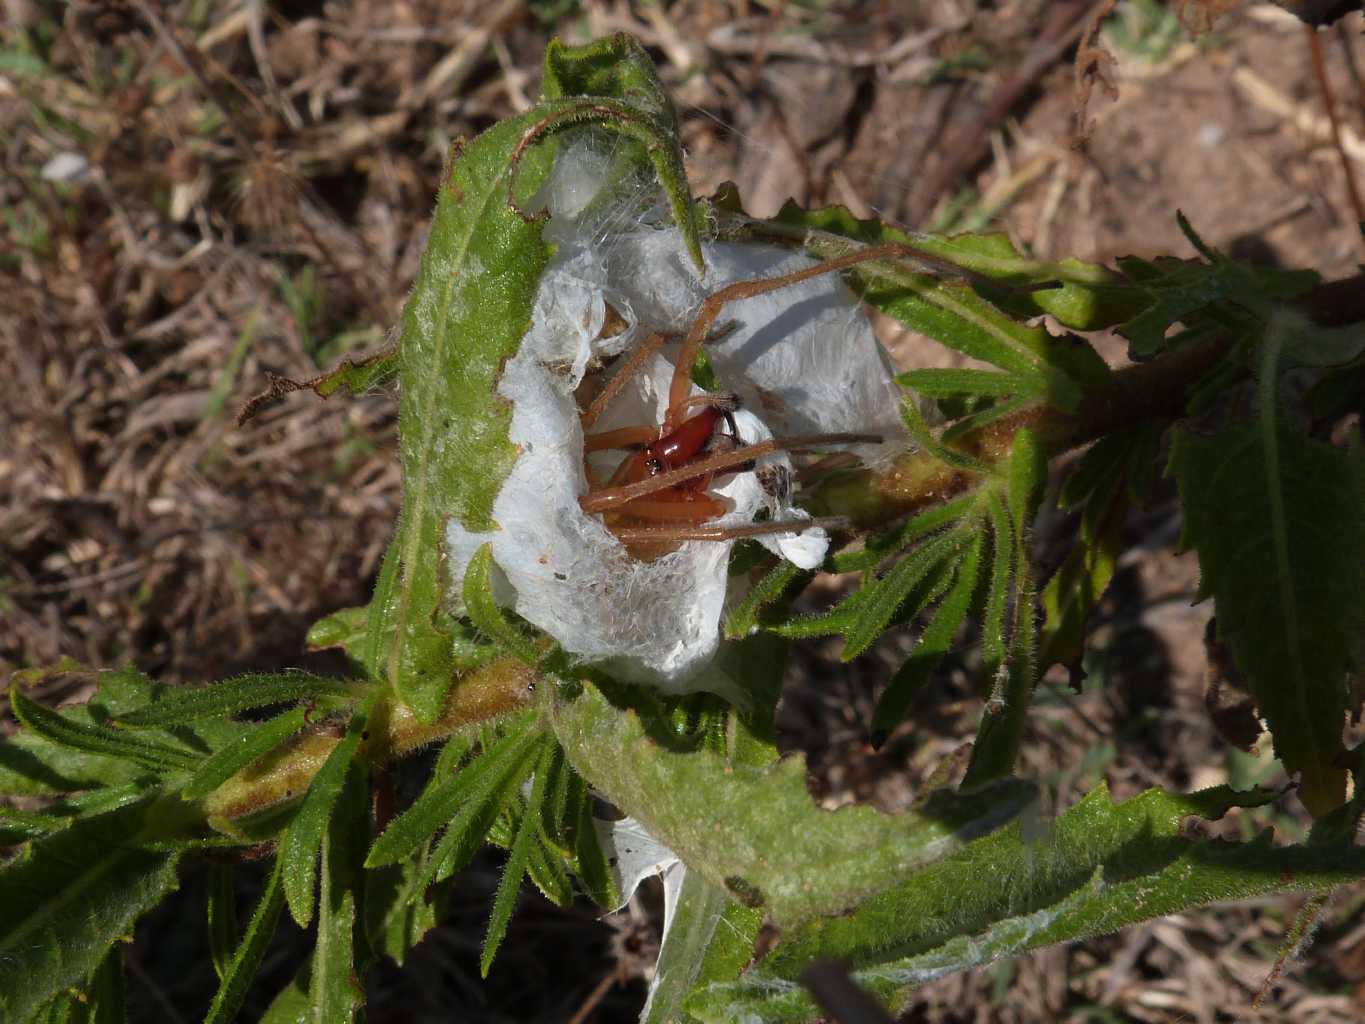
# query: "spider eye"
{"points": [[654, 466]]}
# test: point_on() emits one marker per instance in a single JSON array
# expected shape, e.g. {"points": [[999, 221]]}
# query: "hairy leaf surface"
{"points": [[1279, 524], [1099, 867], [64, 908], [777, 848]]}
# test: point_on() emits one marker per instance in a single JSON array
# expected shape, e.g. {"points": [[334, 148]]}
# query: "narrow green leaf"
{"points": [[437, 805], [590, 860], [345, 629], [222, 915], [545, 868], [31, 765], [744, 619], [92, 739], [932, 644], [247, 960], [949, 383], [940, 303], [335, 992], [994, 638], [226, 762], [477, 823], [528, 831], [484, 611], [1276, 519], [292, 1003], [1012, 678], [837, 620], [64, 907], [16, 826], [924, 437], [302, 843], [878, 549], [884, 597], [1078, 584], [1027, 476], [982, 418], [177, 705]]}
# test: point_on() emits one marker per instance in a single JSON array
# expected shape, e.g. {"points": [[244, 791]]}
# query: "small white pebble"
{"points": [[1211, 133], [71, 168]]}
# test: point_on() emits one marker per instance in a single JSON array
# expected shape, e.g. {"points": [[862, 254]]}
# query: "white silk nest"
{"points": [[802, 359]]}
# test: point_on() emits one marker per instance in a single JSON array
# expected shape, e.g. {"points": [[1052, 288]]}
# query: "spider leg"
{"points": [[611, 498], [622, 377], [710, 309], [697, 509], [625, 437]]}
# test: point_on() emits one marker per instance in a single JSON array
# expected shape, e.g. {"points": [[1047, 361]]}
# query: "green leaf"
{"points": [[590, 860], [222, 916], [177, 705], [618, 66], [335, 992], [396, 916], [302, 843], [103, 740], [744, 619], [1100, 867], [31, 765], [484, 611], [247, 960], [1078, 584], [1010, 622], [911, 583], [107, 1001], [881, 601], [950, 383], [707, 808], [1277, 520], [528, 832], [292, 1003], [64, 906], [231, 758], [1027, 477], [877, 549], [545, 868], [344, 629], [1218, 294], [932, 644], [468, 311], [17, 826], [465, 790]]}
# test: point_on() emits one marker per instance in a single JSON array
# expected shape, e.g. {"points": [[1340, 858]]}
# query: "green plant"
{"points": [[534, 660]]}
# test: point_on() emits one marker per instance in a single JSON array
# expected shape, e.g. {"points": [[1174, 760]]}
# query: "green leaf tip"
{"points": [[618, 66]]}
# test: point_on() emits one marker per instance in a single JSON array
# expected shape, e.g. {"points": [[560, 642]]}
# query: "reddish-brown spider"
{"points": [[658, 496]]}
